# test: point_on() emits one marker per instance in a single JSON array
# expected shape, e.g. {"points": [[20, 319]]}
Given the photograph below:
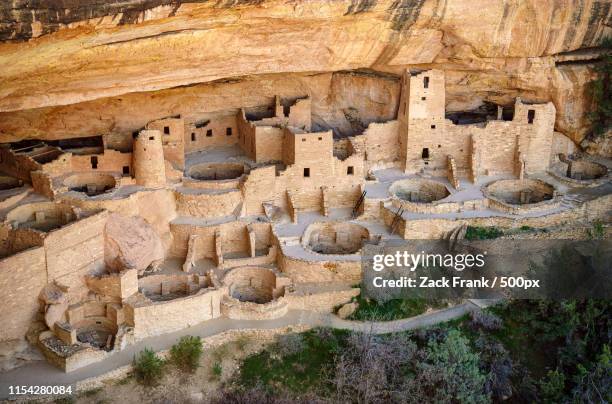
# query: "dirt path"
{"points": [[43, 373]]}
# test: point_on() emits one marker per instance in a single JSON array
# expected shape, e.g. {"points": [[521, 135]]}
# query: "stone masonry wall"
{"points": [[75, 249], [22, 277]]}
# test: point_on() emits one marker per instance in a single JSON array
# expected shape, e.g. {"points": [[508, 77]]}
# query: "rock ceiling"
{"points": [[78, 68]]}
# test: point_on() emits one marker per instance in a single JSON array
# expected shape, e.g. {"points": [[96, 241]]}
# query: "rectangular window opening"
{"points": [[228, 132], [425, 153], [166, 130], [306, 172], [320, 138], [530, 115], [151, 137], [303, 139], [193, 136], [425, 82], [126, 170], [350, 170], [423, 98], [433, 126], [209, 133], [94, 162]]}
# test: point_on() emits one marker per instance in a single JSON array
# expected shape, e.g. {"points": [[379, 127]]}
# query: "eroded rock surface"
{"points": [[103, 51], [131, 243]]}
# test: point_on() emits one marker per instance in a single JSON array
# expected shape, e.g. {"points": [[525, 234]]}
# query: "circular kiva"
{"points": [[252, 284], [91, 184], [418, 190], [520, 192], [584, 170], [42, 216], [335, 238], [216, 171]]}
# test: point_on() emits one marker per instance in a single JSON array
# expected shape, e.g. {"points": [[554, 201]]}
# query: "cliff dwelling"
{"points": [[237, 213]]}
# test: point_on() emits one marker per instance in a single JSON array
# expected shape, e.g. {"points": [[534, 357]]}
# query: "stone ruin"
{"points": [[257, 211]]}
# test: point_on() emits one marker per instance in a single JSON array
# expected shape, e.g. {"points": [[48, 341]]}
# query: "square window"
{"points": [[209, 133], [433, 126], [166, 130], [151, 137], [303, 139], [350, 170], [126, 170], [439, 146], [306, 172], [320, 138], [423, 98]]}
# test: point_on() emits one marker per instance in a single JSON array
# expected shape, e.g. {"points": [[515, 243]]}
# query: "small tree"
{"points": [[148, 367], [449, 372], [593, 383], [186, 353], [552, 387]]}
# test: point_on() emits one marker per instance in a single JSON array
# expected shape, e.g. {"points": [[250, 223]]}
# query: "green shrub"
{"points": [[148, 367], [394, 309], [598, 231], [482, 233], [217, 370], [552, 386], [186, 353]]}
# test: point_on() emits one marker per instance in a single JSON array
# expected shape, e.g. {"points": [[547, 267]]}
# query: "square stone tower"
{"points": [[421, 113]]}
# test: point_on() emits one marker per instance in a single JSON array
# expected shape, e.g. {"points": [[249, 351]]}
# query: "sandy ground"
{"points": [[177, 386]]}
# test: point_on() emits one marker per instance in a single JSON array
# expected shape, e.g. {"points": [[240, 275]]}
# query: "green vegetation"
{"points": [[482, 233], [522, 351], [297, 371], [124, 381], [598, 231], [395, 309], [148, 367], [601, 91], [217, 370], [186, 353]]}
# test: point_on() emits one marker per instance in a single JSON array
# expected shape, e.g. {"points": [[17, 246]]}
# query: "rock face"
{"points": [[55, 313], [131, 243], [117, 55], [347, 310], [599, 146]]}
